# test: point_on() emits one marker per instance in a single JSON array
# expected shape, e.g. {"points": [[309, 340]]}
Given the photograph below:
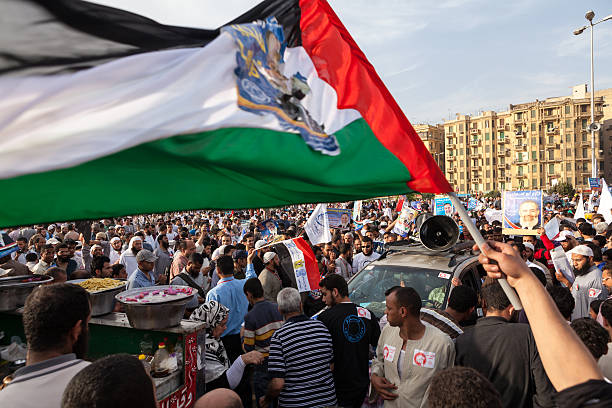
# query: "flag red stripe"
{"points": [[312, 267], [341, 63]]}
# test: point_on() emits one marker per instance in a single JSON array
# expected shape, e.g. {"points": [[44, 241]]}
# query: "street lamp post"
{"points": [[589, 16]]}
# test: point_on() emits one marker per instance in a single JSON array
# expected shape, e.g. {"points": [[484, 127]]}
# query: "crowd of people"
{"points": [[275, 346]]}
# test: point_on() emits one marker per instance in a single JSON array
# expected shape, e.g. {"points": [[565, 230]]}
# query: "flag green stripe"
{"points": [[229, 168]]}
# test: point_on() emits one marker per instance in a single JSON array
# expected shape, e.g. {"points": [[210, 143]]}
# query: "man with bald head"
{"points": [[219, 398]]}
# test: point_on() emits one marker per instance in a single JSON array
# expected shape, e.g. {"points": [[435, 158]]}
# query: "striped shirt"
{"points": [[259, 326], [301, 352], [441, 320]]}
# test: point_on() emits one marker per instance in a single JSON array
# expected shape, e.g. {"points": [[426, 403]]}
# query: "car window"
{"points": [[367, 289]]}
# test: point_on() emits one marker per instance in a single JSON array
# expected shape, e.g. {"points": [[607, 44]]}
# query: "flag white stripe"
{"points": [[55, 122]]}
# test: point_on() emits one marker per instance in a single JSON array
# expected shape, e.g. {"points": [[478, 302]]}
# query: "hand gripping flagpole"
{"points": [[467, 221]]}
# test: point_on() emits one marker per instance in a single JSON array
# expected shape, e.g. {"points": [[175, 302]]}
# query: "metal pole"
{"points": [[467, 221], [593, 158]]}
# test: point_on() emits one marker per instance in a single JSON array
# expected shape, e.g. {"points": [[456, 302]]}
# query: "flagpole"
{"points": [[475, 233]]}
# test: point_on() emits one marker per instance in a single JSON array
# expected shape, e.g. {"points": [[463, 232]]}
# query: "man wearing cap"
{"points": [[115, 251], [258, 264], [587, 286], [269, 278], [192, 276], [143, 276], [128, 257]]}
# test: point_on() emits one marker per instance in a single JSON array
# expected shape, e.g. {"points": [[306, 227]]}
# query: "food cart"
{"points": [[113, 333]]}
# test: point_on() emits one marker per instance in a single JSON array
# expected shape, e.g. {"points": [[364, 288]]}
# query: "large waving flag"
{"points": [[107, 113]]}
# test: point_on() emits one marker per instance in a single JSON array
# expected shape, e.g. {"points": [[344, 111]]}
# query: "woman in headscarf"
{"points": [[219, 374]]}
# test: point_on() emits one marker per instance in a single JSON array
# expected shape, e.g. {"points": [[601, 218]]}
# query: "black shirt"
{"points": [[507, 355], [353, 330]]}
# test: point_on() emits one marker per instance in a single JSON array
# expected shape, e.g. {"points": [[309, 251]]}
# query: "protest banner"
{"points": [[317, 226], [552, 228], [357, 210], [594, 183], [579, 209], [472, 203], [268, 229], [406, 217], [561, 263], [522, 212], [443, 206], [605, 203], [417, 205], [339, 218]]}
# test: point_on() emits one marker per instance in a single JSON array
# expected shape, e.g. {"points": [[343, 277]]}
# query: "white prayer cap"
{"points": [[53, 241], [529, 245], [563, 235], [582, 250], [268, 257], [260, 243], [115, 239]]}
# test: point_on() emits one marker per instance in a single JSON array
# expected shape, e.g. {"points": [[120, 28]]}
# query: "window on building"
{"points": [[501, 135], [584, 137], [488, 173], [461, 127], [501, 122], [487, 136], [568, 166], [584, 123], [461, 139], [533, 113], [533, 127], [534, 168], [583, 108], [534, 182], [568, 109], [488, 161], [568, 152], [551, 169], [585, 153], [534, 141], [551, 155], [486, 124], [551, 139], [519, 115], [488, 149], [569, 137], [541, 154], [568, 123], [534, 155], [520, 170]]}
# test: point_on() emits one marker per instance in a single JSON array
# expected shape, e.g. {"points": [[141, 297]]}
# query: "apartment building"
{"points": [[433, 138], [532, 145]]}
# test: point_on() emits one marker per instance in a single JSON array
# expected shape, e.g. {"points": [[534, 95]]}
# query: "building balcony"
{"points": [[501, 153], [502, 128], [501, 165], [521, 120], [452, 170], [552, 131], [474, 131], [451, 145], [474, 142], [520, 133], [451, 158], [520, 146], [502, 140], [521, 175], [551, 115]]}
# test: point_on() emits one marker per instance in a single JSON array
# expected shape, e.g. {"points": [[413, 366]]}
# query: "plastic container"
{"points": [[160, 364], [178, 352]]}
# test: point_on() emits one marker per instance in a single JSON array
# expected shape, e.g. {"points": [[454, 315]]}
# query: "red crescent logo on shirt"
{"points": [[361, 312], [420, 359], [385, 352]]}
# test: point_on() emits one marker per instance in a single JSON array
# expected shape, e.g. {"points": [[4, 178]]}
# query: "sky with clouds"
{"points": [[446, 56]]}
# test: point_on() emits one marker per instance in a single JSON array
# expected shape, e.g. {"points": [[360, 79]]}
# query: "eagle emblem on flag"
{"points": [[264, 89]]}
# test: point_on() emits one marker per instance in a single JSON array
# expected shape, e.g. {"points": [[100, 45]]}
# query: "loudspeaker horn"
{"points": [[437, 232]]}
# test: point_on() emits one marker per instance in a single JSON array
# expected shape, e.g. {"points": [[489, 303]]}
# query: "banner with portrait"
{"points": [[443, 206], [522, 212], [268, 229], [339, 218]]}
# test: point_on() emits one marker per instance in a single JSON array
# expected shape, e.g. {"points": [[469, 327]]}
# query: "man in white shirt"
{"points": [[128, 257], [366, 255], [54, 355], [115, 251]]}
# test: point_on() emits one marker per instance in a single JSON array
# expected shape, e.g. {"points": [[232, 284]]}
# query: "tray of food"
{"points": [[156, 307], [155, 295], [102, 293], [15, 289]]}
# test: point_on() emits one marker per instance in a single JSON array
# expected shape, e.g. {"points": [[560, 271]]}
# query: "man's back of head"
{"points": [[563, 299], [219, 398], [593, 335], [115, 381], [225, 265], [462, 387], [51, 312], [462, 299]]}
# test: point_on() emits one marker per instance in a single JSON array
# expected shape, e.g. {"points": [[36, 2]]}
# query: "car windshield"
{"points": [[367, 289]]}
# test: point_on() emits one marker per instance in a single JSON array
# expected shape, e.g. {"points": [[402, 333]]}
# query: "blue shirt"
{"points": [[229, 292], [139, 279]]}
